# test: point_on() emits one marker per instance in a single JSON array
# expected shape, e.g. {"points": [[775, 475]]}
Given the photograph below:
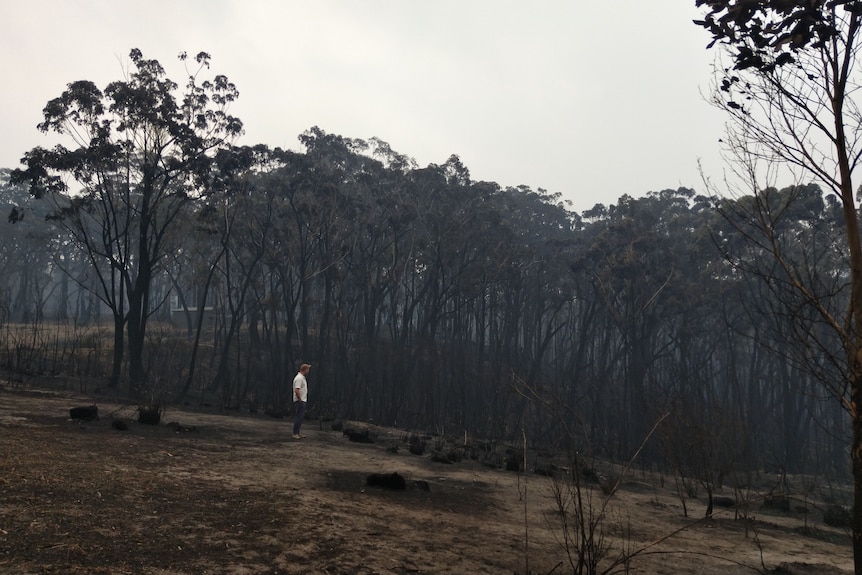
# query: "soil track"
{"points": [[225, 494]]}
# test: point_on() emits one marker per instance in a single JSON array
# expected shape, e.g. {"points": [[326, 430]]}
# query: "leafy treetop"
{"points": [[765, 34]]}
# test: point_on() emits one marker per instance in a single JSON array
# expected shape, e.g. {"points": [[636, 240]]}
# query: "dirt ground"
{"points": [[221, 494]]}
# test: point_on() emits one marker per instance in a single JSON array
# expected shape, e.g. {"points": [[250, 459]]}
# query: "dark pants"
{"points": [[300, 413]]}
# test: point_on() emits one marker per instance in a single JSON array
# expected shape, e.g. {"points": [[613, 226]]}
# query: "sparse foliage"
{"points": [[789, 91]]}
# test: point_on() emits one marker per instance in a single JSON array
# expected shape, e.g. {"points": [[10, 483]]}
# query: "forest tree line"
{"points": [[428, 300], [423, 298]]}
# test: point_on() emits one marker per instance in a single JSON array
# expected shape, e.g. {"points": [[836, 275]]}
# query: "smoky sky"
{"points": [[591, 100]]}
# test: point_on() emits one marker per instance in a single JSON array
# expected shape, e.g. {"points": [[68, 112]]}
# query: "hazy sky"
{"points": [[589, 98]]}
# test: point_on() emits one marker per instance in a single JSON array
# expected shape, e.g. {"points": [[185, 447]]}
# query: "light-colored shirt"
{"points": [[300, 383]]}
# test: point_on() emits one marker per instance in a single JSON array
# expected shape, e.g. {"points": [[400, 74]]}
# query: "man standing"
{"points": [[300, 399]]}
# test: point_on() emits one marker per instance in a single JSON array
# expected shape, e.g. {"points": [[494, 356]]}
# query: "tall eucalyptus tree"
{"points": [[140, 156]]}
